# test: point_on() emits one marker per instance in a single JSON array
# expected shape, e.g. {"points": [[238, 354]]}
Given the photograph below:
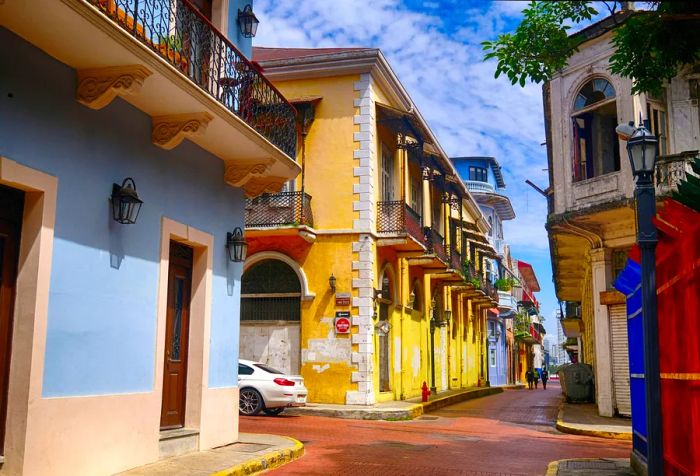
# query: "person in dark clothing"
{"points": [[530, 377], [536, 377], [545, 377]]}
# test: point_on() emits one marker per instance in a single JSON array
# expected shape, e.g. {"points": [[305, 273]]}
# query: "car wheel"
{"points": [[250, 402], [273, 411]]}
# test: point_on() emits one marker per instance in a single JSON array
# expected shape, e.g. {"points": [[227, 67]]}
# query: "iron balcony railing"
{"points": [[455, 258], [435, 243], [490, 290], [396, 217], [183, 37], [279, 209]]}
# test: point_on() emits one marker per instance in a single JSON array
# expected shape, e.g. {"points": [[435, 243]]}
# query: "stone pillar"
{"points": [[600, 279]]}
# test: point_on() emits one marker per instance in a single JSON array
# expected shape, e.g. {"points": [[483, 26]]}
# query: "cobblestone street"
{"points": [[506, 434]]}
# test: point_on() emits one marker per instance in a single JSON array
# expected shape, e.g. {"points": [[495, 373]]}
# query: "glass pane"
{"points": [[177, 321]]}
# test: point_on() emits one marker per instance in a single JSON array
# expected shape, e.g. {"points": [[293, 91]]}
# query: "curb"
{"points": [[460, 397], [271, 460], [553, 468], [574, 430]]}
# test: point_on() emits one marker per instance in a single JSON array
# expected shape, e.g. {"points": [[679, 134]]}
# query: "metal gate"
{"points": [[620, 358], [271, 315]]}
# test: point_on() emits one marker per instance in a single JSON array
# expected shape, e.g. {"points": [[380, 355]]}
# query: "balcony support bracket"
{"points": [[97, 87], [169, 131]]}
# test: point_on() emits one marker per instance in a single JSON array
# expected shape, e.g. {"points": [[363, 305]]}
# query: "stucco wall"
{"points": [[102, 304]]}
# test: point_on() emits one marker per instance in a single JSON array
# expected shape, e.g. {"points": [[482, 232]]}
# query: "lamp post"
{"points": [[642, 148]]}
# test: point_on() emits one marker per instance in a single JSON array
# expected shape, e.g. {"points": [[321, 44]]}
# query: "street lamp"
{"points": [[642, 148]]}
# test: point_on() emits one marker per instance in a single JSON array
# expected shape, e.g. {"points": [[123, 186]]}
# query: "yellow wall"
{"points": [[329, 148]]}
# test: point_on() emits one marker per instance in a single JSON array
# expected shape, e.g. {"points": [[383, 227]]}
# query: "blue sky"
{"points": [[434, 48]]}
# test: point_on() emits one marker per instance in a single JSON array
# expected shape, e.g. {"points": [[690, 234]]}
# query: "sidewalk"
{"points": [[252, 454], [583, 419], [590, 467], [395, 410]]}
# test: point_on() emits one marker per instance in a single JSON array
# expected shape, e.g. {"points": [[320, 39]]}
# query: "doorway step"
{"points": [[177, 442]]}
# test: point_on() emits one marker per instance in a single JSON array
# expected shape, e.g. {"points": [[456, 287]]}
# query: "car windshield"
{"points": [[268, 369]]}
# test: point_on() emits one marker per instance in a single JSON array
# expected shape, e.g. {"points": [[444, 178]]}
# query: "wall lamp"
{"points": [[411, 299], [331, 283], [384, 292], [236, 245], [248, 22], [126, 204]]}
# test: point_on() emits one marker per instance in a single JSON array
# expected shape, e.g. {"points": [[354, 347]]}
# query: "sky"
{"points": [[434, 48]]}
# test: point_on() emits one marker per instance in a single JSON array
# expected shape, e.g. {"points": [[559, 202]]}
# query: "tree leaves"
{"points": [[650, 46]]}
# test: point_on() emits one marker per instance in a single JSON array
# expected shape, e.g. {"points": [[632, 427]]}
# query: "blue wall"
{"points": [[234, 32], [462, 165], [102, 303]]}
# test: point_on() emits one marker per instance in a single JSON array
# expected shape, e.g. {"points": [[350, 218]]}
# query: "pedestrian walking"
{"points": [[530, 377], [536, 377], [545, 377]]}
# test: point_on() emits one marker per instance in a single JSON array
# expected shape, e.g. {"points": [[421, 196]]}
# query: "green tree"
{"points": [[651, 45]]}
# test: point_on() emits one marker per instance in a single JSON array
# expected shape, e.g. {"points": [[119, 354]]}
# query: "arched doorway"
{"points": [[271, 315]]}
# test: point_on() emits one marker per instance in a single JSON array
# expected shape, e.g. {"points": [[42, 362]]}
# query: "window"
{"points": [[417, 196], [492, 357], [478, 174], [490, 226], [387, 190], [270, 291], [268, 369], [656, 113], [244, 370], [594, 141]]}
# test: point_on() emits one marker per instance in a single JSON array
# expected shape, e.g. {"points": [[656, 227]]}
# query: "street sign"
{"points": [[343, 299], [342, 322]]}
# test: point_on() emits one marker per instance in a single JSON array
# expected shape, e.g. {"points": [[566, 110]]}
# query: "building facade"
{"points": [[372, 240], [120, 330], [591, 222], [484, 179]]}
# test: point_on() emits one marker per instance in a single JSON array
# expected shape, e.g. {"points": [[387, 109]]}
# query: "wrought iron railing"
{"points": [[396, 217], [472, 276], [455, 258], [672, 169], [435, 243], [183, 37], [279, 209], [490, 290]]}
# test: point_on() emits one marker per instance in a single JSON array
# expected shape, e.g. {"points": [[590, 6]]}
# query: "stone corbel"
{"points": [[170, 131], [99, 86], [258, 185], [237, 174]]}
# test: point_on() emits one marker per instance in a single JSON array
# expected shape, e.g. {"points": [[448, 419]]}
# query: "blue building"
{"points": [[484, 180], [129, 142]]}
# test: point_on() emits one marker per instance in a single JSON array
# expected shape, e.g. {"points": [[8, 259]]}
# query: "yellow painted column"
{"points": [[427, 215]]}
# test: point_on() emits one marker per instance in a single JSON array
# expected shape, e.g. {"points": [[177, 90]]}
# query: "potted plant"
{"points": [[503, 284], [170, 47]]}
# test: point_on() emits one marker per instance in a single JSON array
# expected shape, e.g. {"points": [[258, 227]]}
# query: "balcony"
{"points": [[183, 37], [397, 219], [435, 243], [171, 63], [506, 301], [286, 209], [486, 194], [672, 169], [455, 261]]}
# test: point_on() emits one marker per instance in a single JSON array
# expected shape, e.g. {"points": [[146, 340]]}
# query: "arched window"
{"points": [[595, 147], [270, 291]]}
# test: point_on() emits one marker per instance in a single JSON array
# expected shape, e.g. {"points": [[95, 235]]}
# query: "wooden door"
{"points": [[204, 7], [11, 207], [176, 337]]}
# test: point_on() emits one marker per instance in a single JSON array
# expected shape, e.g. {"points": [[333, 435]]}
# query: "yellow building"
{"points": [[349, 288]]}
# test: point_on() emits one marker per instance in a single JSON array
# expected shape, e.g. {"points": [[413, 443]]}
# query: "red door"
{"points": [[176, 337], [11, 206]]}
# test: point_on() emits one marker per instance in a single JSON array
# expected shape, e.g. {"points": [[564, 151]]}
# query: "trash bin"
{"points": [[576, 382]]}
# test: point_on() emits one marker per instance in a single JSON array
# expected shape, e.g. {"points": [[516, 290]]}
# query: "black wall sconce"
{"points": [[248, 22], [331, 283], [384, 292], [236, 245], [126, 203]]}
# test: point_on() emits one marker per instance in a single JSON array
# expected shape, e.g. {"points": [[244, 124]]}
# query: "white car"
{"points": [[263, 388]]}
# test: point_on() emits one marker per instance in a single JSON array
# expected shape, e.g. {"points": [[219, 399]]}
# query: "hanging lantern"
{"points": [[331, 283], [248, 22], [126, 204], [236, 245]]}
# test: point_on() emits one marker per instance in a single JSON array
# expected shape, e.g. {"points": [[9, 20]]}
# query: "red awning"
{"points": [[494, 310]]}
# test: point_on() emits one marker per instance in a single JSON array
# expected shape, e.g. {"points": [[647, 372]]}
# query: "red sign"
{"points": [[343, 299], [342, 325]]}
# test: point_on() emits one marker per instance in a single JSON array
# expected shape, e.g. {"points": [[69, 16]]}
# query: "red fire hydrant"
{"points": [[425, 392]]}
